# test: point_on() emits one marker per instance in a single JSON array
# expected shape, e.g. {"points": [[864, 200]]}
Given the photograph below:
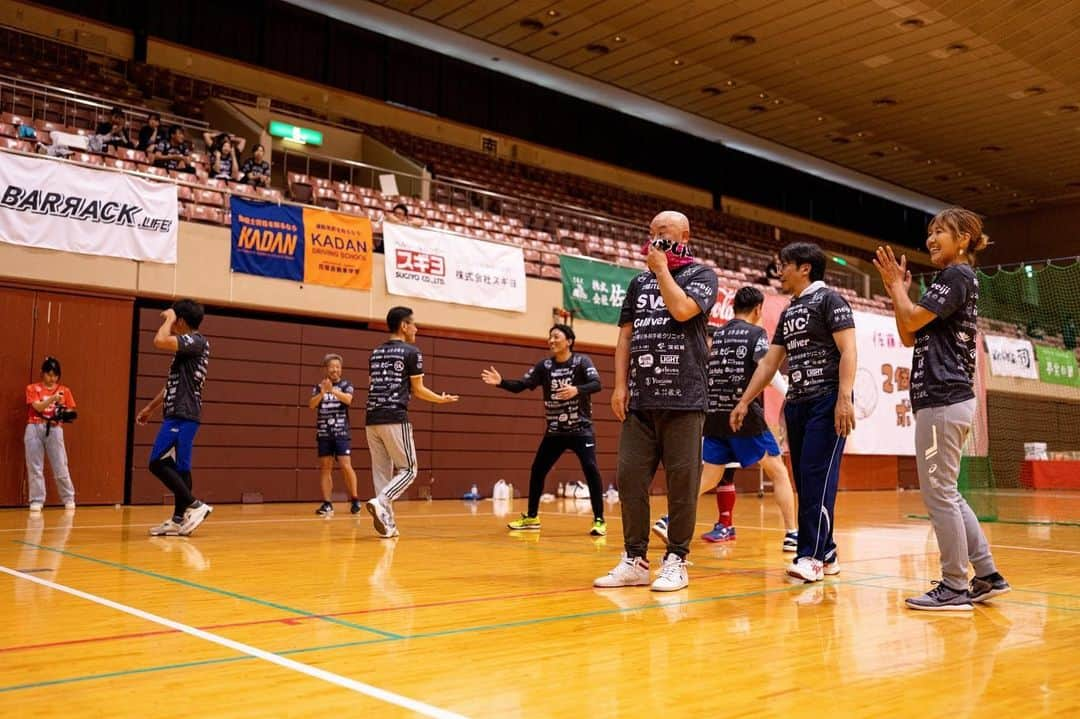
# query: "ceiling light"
{"points": [[991, 148], [929, 162], [742, 40], [730, 83], [597, 49], [756, 108], [676, 62], [840, 140], [942, 178], [957, 48], [763, 95], [896, 148], [1034, 91], [553, 13], [884, 102], [876, 153], [913, 23], [820, 118], [778, 101], [619, 38], [710, 90], [531, 24], [1069, 108]]}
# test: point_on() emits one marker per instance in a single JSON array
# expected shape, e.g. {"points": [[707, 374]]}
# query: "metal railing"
{"points": [[66, 103]]}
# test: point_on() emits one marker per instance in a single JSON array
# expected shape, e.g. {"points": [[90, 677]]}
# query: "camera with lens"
{"points": [[63, 414]]}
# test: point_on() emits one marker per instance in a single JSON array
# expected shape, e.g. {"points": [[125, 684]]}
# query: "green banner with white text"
{"points": [[594, 290], [1057, 366]]}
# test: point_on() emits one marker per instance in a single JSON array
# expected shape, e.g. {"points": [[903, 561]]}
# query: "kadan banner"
{"points": [[1011, 357], [594, 289], [301, 244], [62, 206], [452, 268]]}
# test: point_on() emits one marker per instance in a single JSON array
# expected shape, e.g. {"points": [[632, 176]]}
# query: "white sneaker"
{"points": [[391, 531], [629, 572], [193, 517], [69, 505], [672, 576], [381, 517], [807, 569], [168, 528], [35, 506], [830, 569]]}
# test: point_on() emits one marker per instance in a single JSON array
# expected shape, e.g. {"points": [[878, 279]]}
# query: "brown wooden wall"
{"points": [[258, 435], [91, 336]]}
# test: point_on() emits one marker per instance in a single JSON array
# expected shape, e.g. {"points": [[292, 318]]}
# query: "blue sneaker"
{"points": [[791, 541], [719, 533], [660, 528]]}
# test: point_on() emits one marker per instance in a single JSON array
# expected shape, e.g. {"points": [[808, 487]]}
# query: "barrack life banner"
{"points": [[58, 205]]}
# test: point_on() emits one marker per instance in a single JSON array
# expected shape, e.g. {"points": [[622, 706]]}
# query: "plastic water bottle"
{"points": [[475, 492]]}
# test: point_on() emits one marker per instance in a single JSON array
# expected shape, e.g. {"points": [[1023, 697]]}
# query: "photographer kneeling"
{"points": [[49, 405]]}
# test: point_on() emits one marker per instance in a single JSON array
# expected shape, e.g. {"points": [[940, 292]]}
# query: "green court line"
{"points": [[215, 590], [492, 627], [396, 638], [1022, 522]]}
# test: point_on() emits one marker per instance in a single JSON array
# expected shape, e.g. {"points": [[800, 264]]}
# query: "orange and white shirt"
{"points": [[37, 392]]}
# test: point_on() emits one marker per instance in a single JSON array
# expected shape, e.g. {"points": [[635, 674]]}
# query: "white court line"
{"points": [[314, 672]]}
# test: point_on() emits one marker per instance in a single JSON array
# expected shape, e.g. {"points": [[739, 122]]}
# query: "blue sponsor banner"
{"points": [[267, 239]]}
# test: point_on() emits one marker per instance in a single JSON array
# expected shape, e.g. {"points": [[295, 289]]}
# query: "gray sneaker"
{"points": [[988, 587], [941, 599]]}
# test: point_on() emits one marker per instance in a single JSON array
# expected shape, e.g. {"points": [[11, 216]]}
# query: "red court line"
{"points": [[293, 621]]}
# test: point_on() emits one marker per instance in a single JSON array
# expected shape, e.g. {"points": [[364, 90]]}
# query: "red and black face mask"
{"points": [[678, 254]]}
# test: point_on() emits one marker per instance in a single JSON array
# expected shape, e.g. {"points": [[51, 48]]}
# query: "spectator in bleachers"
{"points": [[1068, 333], [223, 162], [149, 134], [256, 170], [113, 132], [172, 152], [400, 216]]}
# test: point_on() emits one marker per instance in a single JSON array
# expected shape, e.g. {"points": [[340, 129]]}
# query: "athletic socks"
{"points": [[725, 503]]}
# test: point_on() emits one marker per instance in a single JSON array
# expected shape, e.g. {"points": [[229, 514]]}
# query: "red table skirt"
{"points": [[1047, 474]]}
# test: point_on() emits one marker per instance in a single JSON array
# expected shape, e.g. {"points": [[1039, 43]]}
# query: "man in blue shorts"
{"points": [[733, 356], [182, 400]]}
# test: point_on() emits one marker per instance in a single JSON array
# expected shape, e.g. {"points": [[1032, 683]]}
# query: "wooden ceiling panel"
{"points": [[832, 59]]}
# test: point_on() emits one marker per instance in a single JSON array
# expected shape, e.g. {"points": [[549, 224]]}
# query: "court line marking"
{"points": [[208, 588], [268, 520], [314, 672], [463, 630], [422, 635]]}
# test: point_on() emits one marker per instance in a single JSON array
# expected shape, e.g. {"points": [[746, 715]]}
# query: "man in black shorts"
{"points": [[331, 399]]}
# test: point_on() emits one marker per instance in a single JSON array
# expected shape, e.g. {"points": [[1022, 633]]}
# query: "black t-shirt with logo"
{"points": [[668, 357], [563, 416], [737, 347], [332, 415], [252, 169], [392, 366], [806, 330], [164, 147], [187, 374], [943, 368]]}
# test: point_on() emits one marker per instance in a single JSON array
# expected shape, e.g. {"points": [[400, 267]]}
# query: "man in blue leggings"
{"points": [[816, 333], [182, 400]]}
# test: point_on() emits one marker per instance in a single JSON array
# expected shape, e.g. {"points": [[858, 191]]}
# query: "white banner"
{"points": [[453, 268], [62, 206], [884, 422], [1011, 357]]}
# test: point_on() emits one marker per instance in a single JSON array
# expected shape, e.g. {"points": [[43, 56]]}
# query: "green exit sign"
{"points": [[303, 135]]}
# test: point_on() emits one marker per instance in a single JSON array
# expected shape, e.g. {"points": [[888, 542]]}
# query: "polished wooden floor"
{"points": [[270, 611]]}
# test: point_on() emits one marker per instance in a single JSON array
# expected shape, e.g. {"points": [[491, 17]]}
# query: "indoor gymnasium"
{"points": [[476, 358]]}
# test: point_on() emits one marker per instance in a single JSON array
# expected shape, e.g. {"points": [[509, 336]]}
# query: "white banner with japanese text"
{"points": [[447, 267], [1011, 357], [884, 422], [62, 206]]}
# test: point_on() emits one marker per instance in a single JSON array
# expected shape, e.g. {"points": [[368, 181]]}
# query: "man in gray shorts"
{"points": [[396, 371]]}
